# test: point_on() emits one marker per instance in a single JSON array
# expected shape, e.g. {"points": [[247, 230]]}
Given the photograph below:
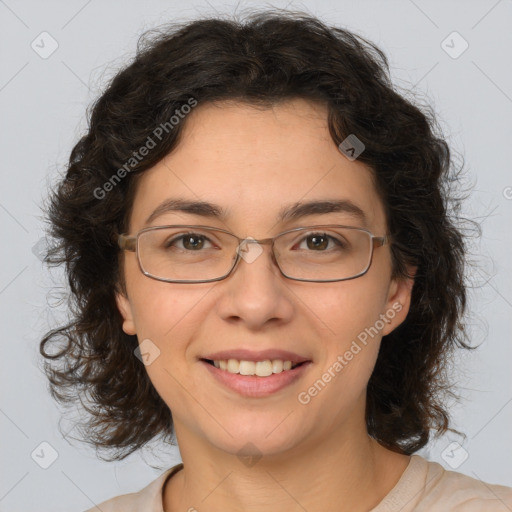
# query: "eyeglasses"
{"points": [[200, 254]]}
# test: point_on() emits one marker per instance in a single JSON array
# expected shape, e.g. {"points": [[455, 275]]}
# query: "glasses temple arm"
{"points": [[379, 241], [127, 243]]}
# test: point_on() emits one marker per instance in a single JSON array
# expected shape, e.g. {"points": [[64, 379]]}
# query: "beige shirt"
{"points": [[423, 487]]}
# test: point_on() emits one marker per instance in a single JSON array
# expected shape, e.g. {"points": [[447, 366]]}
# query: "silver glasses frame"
{"points": [[131, 243]]}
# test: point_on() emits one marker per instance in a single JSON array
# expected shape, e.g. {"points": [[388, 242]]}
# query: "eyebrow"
{"points": [[290, 212]]}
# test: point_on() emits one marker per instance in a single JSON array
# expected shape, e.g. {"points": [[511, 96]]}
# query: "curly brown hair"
{"points": [[265, 58]]}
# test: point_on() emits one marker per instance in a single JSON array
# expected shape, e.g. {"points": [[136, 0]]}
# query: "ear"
{"points": [[125, 308], [398, 301]]}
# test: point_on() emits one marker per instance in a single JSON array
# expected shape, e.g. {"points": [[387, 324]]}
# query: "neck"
{"points": [[353, 474]]}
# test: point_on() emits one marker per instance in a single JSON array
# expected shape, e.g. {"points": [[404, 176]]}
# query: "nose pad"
{"points": [[249, 249]]}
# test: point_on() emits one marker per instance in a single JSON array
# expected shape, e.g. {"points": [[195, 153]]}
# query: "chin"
{"points": [[250, 440]]}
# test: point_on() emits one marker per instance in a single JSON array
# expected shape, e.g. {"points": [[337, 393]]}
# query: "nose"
{"points": [[255, 292]]}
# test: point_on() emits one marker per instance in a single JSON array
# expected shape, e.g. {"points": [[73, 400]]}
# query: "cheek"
{"points": [[157, 307], [166, 322], [349, 347], [352, 308], [162, 311], [350, 315]]}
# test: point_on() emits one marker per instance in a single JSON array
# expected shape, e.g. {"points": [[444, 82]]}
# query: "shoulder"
{"points": [[463, 492], [427, 486], [148, 499]]}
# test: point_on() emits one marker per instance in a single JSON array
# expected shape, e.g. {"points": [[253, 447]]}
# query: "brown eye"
{"points": [[193, 242], [189, 242], [320, 242], [317, 241]]}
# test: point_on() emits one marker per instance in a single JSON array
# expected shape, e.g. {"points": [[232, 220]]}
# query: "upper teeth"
{"points": [[259, 368]]}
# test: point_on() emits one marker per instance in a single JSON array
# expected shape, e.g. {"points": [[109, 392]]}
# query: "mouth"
{"points": [[255, 379]]}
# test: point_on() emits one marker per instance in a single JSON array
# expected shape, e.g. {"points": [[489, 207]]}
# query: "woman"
{"points": [[257, 236]]}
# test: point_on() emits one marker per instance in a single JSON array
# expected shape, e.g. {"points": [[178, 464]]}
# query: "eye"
{"points": [[189, 241], [320, 241]]}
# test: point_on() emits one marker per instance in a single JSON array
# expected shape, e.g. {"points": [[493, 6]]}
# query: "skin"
{"points": [[316, 456]]}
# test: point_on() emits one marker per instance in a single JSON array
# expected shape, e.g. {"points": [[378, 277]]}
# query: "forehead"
{"points": [[253, 162]]}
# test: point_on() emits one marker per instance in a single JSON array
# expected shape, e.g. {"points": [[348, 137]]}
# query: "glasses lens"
{"points": [[186, 253], [193, 253], [324, 254]]}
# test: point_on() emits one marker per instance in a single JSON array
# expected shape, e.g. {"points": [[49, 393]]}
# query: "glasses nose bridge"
{"points": [[263, 241], [250, 240]]}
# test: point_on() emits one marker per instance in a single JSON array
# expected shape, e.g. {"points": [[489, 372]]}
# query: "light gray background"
{"points": [[42, 115]]}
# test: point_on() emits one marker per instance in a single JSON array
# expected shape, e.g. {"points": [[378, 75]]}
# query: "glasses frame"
{"points": [[131, 243]]}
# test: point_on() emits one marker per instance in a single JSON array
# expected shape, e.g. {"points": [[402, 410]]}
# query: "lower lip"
{"points": [[253, 386]]}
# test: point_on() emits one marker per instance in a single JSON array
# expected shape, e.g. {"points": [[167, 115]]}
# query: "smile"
{"points": [[252, 385]]}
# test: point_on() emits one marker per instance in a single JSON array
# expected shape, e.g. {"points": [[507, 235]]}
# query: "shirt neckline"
{"points": [[166, 477]]}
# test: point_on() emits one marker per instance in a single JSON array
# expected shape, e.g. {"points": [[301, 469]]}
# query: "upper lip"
{"points": [[250, 355]]}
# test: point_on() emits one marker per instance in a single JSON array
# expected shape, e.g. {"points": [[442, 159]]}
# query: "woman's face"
{"points": [[252, 163]]}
